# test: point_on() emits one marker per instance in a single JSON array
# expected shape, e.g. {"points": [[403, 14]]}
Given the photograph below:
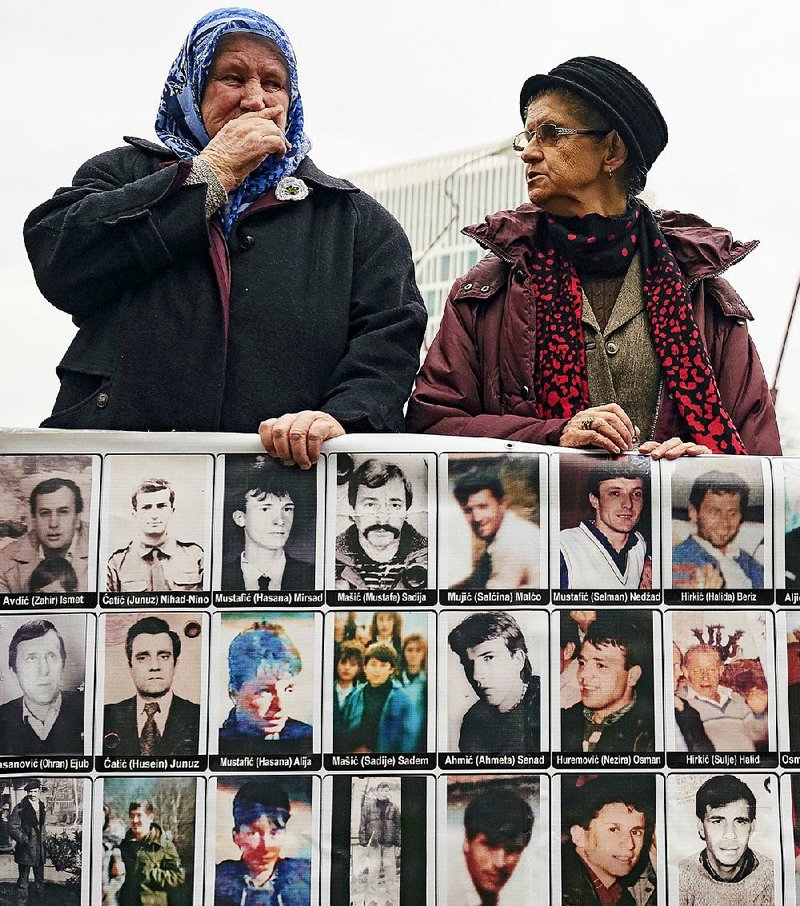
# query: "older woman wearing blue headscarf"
{"points": [[220, 281]]}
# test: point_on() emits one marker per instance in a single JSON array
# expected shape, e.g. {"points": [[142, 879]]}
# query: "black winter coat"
{"points": [[308, 305]]}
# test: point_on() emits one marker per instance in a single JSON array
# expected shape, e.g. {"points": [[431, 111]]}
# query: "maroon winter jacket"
{"points": [[477, 379]]}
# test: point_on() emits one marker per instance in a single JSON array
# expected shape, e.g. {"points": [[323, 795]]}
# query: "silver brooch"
{"points": [[290, 188]]}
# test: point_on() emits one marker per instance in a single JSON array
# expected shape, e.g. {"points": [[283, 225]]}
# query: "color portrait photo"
{"points": [[44, 823], [604, 523], [492, 522], [723, 691], [265, 695], [148, 838], [156, 525], [381, 684], [718, 536], [48, 524], [787, 525], [494, 839], [261, 840]]}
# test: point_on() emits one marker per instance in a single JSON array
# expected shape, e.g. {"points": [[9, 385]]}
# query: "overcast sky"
{"points": [[388, 82]]}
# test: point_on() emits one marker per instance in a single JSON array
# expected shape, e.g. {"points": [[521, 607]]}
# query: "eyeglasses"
{"points": [[547, 134]]}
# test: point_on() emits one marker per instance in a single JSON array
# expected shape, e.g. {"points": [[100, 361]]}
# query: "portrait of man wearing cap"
{"points": [[642, 344], [26, 827], [262, 875]]}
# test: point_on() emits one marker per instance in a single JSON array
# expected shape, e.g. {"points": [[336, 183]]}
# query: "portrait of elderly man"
{"points": [[381, 549], [154, 721], [690, 735], [263, 875], [263, 666], [732, 722], [153, 869], [498, 826], [494, 654], [56, 531], [296, 289], [26, 827], [636, 342], [154, 560], [615, 676], [726, 872], [607, 551], [512, 544], [607, 829], [46, 719], [263, 499], [711, 557]]}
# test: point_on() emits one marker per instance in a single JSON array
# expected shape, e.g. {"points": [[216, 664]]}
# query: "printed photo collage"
{"points": [[451, 672]]}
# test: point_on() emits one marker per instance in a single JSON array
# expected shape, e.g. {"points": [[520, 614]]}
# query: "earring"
{"points": [[610, 174]]}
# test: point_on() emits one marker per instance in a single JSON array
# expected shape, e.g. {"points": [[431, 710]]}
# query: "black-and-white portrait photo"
{"points": [[380, 526], [606, 537], [495, 842], [156, 527], [154, 681], [43, 828], [270, 530], [46, 684], [494, 667], [790, 529], [491, 508], [47, 533], [724, 839], [719, 513]]}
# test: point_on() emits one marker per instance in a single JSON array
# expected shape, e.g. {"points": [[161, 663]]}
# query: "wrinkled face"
{"points": [[718, 518], [347, 671], [619, 505], [267, 522], [377, 672], [153, 512], [39, 668], [267, 698], [727, 831], [613, 841], [55, 520], [385, 625], [563, 177], [247, 74], [414, 654], [704, 671], [141, 821], [379, 513], [605, 682], [490, 865], [260, 842], [496, 672], [152, 664], [484, 513]]}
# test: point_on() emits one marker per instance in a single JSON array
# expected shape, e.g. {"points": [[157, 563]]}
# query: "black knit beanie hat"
{"points": [[614, 92]]}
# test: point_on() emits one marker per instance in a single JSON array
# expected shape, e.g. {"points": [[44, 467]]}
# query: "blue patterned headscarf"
{"points": [[179, 123]]}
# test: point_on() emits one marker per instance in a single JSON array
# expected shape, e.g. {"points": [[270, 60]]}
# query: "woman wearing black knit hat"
{"points": [[595, 322]]}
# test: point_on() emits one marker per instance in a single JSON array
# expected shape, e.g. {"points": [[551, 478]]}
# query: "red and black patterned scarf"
{"points": [[604, 246]]}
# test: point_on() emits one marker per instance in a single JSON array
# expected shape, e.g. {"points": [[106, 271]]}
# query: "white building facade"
{"points": [[434, 198]]}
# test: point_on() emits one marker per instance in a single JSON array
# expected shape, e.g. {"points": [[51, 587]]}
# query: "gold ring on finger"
{"points": [[587, 423]]}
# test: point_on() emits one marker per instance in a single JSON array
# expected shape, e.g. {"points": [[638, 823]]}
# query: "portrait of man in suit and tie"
{"points": [[154, 721]]}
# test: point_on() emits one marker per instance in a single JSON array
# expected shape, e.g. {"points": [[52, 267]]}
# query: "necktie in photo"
{"points": [[150, 732], [263, 583], [483, 571], [158, 581]]}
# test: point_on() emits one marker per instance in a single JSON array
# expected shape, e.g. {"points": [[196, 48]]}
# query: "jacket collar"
{"points": [[702, 250], [307, 169]]}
